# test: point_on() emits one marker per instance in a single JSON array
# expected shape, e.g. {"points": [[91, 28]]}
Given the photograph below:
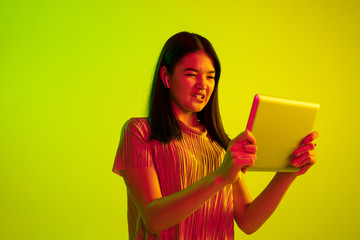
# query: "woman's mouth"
{"points": [[200, 97]]}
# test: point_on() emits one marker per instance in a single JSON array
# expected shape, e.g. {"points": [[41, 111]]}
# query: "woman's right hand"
{"points": [[240, 155]]}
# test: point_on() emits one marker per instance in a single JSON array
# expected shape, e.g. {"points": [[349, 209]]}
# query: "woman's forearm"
{"points": [[168, 211], [261, 208]]}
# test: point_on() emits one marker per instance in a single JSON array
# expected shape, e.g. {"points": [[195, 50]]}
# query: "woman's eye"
{"points": [[211, 77], [191, 74]]}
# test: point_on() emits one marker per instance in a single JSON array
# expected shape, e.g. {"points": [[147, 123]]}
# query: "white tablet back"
{"points": [[279, 125]]}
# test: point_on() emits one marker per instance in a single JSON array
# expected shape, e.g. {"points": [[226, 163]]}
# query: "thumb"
{"points": [[250, 137]]}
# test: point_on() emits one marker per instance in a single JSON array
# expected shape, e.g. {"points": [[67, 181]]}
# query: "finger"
{"points": [[250, 148], [246, 137], [238, 146], [305, 162], [307, 158], [303, 149], [244, 168], [309, 138], [243, 146], [243, 155], [250, 137], [238, 138], [303, 170], [297, 162], [245, 162]]}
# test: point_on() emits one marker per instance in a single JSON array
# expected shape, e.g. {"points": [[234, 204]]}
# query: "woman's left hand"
{"points": [[305, 154]]}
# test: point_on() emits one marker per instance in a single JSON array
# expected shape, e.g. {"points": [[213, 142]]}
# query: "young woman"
{"points": [[183, 174]]}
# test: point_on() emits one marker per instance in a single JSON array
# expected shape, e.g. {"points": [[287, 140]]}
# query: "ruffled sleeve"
{"points": [[134, 148]]}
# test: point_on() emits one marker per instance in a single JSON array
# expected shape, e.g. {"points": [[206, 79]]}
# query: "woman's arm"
{"points": [[251, 215], [160, 213]]}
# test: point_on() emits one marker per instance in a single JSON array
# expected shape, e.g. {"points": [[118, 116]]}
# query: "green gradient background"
{"points": [[72, 72]]}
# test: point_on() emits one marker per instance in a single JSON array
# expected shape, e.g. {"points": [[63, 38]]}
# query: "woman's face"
{"points": [[192, 83]]}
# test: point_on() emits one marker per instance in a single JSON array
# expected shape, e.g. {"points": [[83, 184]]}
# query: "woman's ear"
{"points": [[164, 76]]}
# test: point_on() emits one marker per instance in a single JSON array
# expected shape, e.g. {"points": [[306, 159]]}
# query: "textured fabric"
{"points": [[179, 164]]}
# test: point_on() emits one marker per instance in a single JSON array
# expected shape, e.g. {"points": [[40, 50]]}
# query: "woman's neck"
{"points": [[191, 121], [188, 118]]}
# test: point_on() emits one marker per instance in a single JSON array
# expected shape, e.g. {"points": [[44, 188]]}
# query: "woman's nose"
{"points": [[201, 82]]}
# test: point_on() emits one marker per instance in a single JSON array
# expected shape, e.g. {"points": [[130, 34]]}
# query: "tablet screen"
{"points": [[279, 125]]}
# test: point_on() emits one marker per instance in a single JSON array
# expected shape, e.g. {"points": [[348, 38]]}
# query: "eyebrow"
{"points": [[194, 70]]}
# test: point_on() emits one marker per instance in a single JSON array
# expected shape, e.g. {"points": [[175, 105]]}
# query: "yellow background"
{"points": [[72, 72]]}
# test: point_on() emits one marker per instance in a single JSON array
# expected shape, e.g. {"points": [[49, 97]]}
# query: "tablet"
{"points": [[279, 125]]}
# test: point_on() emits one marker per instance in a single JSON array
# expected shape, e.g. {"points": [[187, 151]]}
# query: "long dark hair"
{"points": [[163, 122]]}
